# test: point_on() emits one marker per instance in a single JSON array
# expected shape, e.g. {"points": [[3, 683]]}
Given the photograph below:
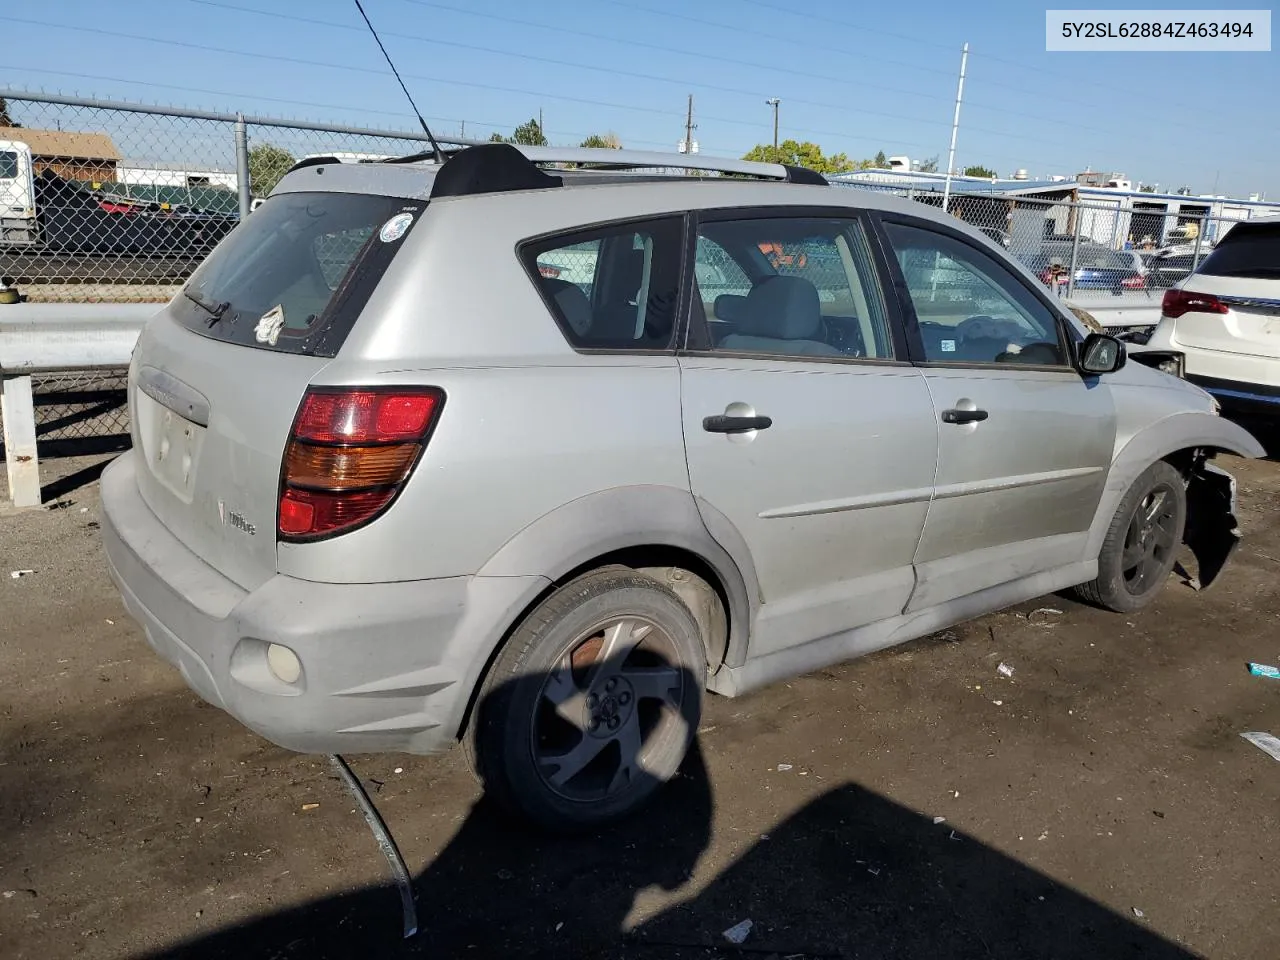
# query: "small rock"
{"points": [[739, 932], [1138, 913], [784, 767], [559, 926], [398, 770], [199, 913], [938, 820], [199, 819]]}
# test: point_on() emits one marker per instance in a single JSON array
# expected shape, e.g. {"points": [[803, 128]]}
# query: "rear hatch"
{"points": [[1243, 273], [218, 376]]}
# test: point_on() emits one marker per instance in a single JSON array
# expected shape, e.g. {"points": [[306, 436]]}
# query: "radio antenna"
{"points": [[435, 147]]}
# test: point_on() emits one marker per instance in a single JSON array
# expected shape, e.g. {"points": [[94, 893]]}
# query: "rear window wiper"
{"points": [[214, 310]]}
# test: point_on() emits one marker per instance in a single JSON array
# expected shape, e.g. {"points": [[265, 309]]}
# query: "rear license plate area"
{"points": [[171, 445]]}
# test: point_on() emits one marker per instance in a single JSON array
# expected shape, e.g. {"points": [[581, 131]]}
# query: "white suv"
{"points": [[1225, 319]]}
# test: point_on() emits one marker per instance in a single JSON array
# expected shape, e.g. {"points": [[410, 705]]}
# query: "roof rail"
{"points": [[496, 167]]}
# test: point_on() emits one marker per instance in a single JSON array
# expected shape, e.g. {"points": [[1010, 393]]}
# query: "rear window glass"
{"points": [[1248, 250], [296, 273], [8, 164]]}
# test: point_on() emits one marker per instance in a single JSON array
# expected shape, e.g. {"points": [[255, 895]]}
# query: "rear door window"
{"points": [[612, 287], [8, 164], [295, 274], [1248, 250]]}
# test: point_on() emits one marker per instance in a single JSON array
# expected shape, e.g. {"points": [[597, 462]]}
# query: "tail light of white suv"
{"points": [[1178, 302], [350, 452]]}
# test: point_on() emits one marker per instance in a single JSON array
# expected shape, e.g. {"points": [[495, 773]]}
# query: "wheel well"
{"points": [[652, 560]]}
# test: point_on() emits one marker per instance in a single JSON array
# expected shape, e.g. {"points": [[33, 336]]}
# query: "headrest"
{"points": [[785, 308]]}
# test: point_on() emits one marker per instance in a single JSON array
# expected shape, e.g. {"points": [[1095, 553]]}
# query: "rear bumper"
{"points": [[1254, 398], [385, 667]]}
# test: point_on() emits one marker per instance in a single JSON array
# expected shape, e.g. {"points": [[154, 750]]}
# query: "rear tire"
{"points": [[592, 704], [1142, 542]]}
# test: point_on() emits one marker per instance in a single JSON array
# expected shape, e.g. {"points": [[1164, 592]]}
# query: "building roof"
{"points": [[63, 143], [922, 182]]}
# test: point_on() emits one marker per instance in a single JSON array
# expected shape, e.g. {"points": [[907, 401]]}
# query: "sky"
{"points": [[853, 77]]}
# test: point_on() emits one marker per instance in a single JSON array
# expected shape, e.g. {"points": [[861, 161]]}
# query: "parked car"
{"points": [[1098, 267], [1225, 319], [454, 497]]}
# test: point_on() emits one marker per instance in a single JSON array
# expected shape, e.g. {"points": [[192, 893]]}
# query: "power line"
{"points": [[391, 134], [614, 71]]}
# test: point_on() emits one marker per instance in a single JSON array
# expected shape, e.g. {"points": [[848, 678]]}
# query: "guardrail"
{"points": [[49, 338]]}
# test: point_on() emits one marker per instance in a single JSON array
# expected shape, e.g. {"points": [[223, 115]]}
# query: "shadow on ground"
{"points": [[852, 874]]}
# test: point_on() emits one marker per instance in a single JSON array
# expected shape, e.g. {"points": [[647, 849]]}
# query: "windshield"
{"points": [[8, 164], [1248, 250], [285, 278]]}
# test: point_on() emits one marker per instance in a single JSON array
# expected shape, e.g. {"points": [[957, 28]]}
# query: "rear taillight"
{"points": [[1134, 283], [1178, 302], [350, 452], [548, 271]]}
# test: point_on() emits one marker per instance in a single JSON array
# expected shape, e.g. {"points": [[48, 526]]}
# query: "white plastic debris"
{"points": [[784, 767], [1004, 670], [938, 820], [1040, 615], [998, 703], [18, 574], [1138, 913], [1266, 742], [739, 932], [398, 770], [559, 926]]}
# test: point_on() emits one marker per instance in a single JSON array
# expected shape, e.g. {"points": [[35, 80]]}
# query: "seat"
{"points": [[781, 315], [572, 303]]}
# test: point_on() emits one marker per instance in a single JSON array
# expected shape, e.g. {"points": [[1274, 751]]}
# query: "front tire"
{"points": [[1142, 542], [592, 703]]}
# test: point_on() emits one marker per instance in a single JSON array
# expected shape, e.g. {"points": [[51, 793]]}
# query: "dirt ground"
{"points": [[1100, 803]]}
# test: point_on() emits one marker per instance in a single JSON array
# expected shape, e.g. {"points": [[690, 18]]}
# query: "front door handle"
{"points": [[964, 416], [726, 424]]}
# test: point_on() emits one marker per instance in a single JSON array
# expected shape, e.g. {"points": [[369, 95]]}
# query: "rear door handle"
{"points": [[964, 416], [726, 424]]}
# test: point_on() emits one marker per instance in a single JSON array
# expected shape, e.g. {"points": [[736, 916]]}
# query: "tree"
{"points": [[6, 118], [267, 164], [608, 141], [978, 170], [804, 154], [529, 135], [930, 165], [496, 137], [880, 161]]}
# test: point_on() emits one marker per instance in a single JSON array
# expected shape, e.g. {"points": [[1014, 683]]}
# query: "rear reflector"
{"points": [[1178, 302], [350, 453]]}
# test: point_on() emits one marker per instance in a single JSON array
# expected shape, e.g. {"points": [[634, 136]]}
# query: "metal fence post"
{"points": [[242, 165], [1195, 260], [1075, 251]]}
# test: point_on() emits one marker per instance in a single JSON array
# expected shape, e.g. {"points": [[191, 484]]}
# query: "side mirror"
{"points": [[1101, 353]]}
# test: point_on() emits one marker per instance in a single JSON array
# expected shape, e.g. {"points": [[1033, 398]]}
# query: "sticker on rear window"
{"points": [[948, 346], [269, 326], [394, 228]]}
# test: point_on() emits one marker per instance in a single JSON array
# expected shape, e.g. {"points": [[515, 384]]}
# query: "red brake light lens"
{"points": [[350, 454], [1178, 302], [365, 416], [1134, 283]]}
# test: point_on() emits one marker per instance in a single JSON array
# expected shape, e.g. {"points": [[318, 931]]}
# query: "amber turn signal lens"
{"points": [[348, 468]]}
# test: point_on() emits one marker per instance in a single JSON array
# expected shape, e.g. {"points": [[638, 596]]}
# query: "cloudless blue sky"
{"points": [[853, 77]]}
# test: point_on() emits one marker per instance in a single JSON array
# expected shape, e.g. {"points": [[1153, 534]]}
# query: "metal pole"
{"points": [[1075, 253], [1195, 260], [773, 102], [955, 128], [688, 128], [242, 166]]}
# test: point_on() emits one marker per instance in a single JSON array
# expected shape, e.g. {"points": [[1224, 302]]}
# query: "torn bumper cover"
{"points": [[1212, 532]]}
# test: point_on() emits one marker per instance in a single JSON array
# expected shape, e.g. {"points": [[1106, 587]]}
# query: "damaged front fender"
{"points": [[1212, 532]]}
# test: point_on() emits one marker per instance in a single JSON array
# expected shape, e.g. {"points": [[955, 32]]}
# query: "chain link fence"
{"points": [[110, 202]]}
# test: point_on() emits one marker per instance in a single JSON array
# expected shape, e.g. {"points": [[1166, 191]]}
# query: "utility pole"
{"points": [[773, 102], [463, 134], [955, 127], [688, 128], [540, 121]]}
